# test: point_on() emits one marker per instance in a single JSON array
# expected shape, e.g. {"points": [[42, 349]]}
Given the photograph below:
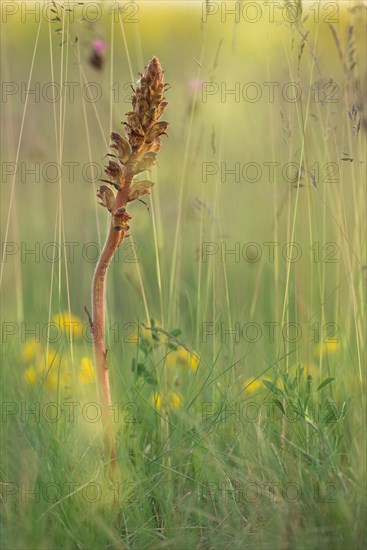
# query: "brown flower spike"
{"points": [[131, 155], [137, 152]]}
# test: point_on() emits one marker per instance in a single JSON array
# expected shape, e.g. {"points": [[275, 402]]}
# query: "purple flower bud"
{"points": [[99, 46]]}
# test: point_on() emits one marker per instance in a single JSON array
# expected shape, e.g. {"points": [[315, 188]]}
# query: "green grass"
{"points": [[213, 462]]}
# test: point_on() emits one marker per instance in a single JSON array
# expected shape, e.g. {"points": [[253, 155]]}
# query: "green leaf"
{"points": [[306, 401], [172, 346], [310, 421], [141, 369], [299, 373], [176, 332], [325, 383], [345, 407], [273, 388], [332, 415], [279, 405], [150, 379]]}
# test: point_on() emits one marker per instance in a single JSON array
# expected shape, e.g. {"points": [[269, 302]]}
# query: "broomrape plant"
{"points": [[131, 156]]}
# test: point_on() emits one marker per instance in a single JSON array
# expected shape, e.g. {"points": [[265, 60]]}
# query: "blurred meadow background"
{"points": [[238, 372]]}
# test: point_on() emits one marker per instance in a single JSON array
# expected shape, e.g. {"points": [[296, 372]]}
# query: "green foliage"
{"points": [[277, 464]]}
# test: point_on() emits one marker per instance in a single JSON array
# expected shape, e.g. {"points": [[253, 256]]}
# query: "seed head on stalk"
{"points": [[131, 155]]}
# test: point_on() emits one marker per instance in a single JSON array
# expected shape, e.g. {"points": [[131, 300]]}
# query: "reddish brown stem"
{"points": [[100, 355], [133, 155], [113, 241]]}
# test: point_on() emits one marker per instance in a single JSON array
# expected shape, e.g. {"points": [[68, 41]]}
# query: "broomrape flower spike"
{"points": [[131, 155]]}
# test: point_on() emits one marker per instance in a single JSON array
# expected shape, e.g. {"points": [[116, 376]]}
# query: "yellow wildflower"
{"points": [[86, 373], [171, 359], [156, 400], [56, 375], [194, 362], [48, 366], [187, 358], [159, 402], [147, 333], [30, 375], [71, 325], [251, 386], [30, 350], [176, 400], [182, 355], [324, 348], [51, 380]]}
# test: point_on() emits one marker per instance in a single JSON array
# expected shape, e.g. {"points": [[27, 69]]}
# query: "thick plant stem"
{"points": [[113, 241], [132, 156], [100, 353]]}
